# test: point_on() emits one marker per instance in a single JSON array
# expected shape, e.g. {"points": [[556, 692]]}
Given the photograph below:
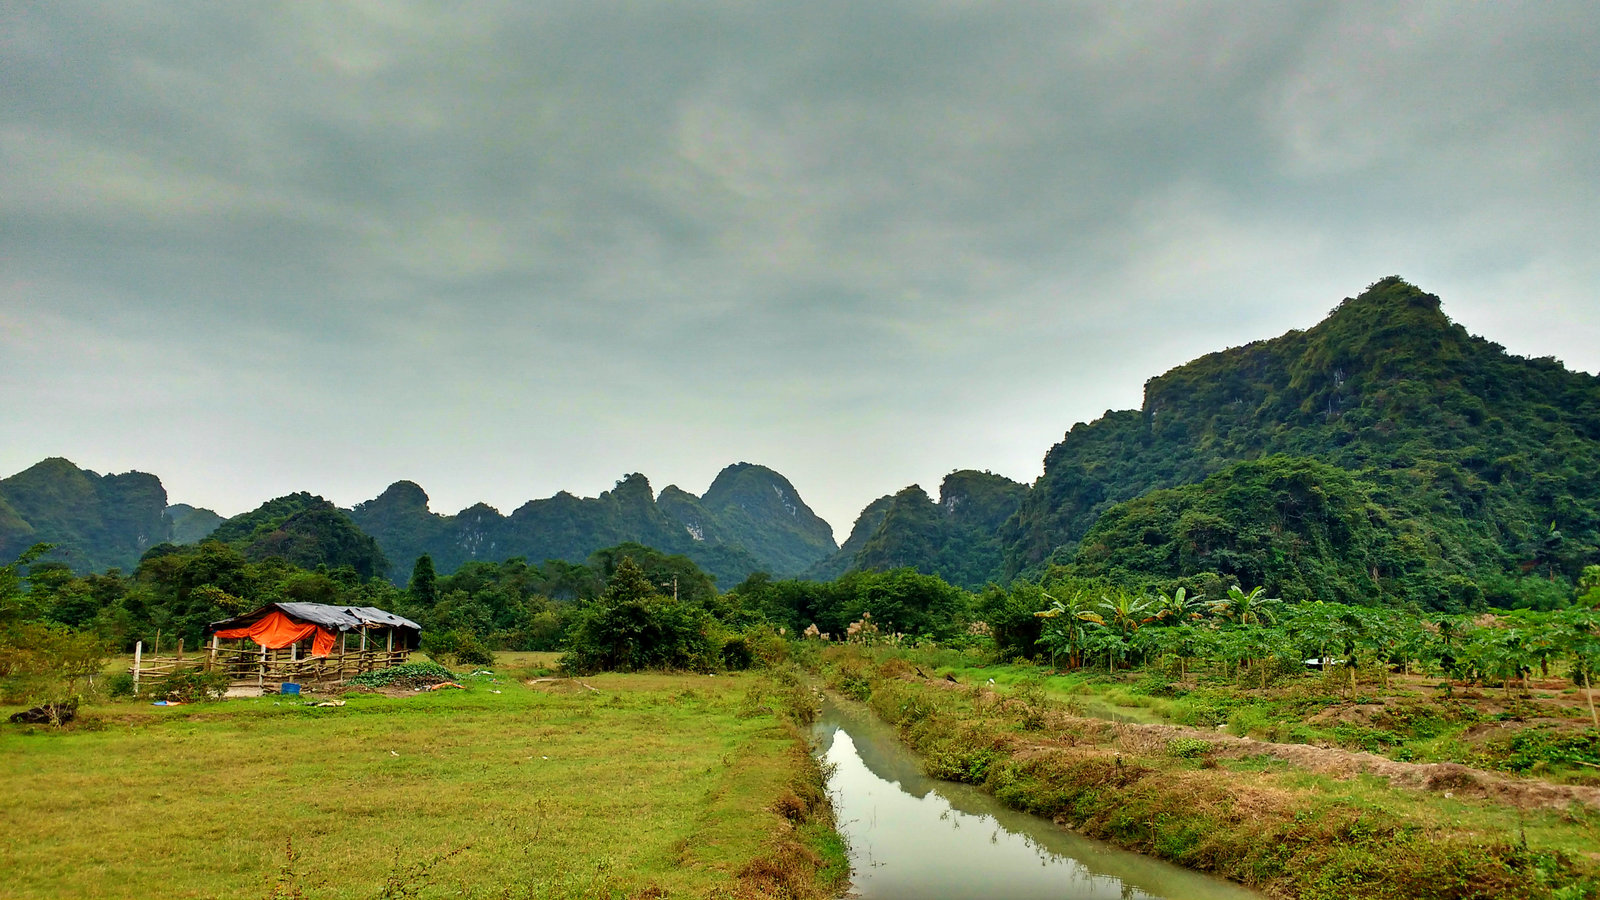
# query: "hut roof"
{"points": [[334, 618]]}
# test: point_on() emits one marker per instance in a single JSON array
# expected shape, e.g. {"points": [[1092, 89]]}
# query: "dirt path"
{"points": [[1451, 779]]}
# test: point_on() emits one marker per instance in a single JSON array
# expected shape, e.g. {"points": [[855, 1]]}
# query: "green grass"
{"points": [[651, 782]]}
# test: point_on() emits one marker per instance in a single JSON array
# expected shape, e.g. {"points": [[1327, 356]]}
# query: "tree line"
{"points": [[631, 606]]}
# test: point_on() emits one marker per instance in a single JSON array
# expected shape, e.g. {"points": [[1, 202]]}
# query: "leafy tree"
{"points": [[424, 585], [632, 626]]}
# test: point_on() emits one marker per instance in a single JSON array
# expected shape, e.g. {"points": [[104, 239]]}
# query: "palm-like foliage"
{"points": [[1178, 607], [1251, 608], [1064, 628]]}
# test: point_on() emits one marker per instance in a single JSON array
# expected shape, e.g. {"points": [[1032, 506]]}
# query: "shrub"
{"points": [[193, 685], [852, 679], [413, 674], [1188, 748], [1247, 720], [119, 685], [632, 627], [737, 655], [457, 647]]}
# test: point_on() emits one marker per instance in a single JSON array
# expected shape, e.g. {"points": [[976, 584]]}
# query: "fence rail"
{"points": [[262, 667]]}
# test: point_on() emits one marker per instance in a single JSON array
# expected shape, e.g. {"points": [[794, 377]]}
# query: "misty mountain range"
{"points": [[1383, 453]]}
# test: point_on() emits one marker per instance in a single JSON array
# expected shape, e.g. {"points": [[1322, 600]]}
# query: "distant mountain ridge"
{"points": [[750, 519], [1382, 455]]}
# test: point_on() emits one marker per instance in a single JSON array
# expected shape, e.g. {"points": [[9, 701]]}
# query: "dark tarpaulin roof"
{"points": [[333, 618]]}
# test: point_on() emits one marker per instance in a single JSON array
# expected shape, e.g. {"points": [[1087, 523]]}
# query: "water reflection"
{"points": [[913, 836]]}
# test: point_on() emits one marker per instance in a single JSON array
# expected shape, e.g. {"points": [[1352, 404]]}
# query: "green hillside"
{"points": [[1383, 455], [306, 530], [95, 521], [755, 508], [190, 524], [956, 538]]}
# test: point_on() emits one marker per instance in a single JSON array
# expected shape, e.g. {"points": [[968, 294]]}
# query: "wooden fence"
{"points": [[263, 668]]}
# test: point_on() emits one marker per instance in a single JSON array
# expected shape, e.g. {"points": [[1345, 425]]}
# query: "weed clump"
{"points": [[405, 675]]}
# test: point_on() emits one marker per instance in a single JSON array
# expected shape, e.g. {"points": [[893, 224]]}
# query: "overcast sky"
{"points": [[508, 249]]}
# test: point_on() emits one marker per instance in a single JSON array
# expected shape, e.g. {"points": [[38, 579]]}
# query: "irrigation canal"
{"points": [[912, 836]]}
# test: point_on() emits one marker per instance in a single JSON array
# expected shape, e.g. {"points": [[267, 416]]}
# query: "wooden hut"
{"points": [[309, 643]]}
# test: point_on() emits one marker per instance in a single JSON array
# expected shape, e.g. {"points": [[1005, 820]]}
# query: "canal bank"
{"points": [[1255, 820]]}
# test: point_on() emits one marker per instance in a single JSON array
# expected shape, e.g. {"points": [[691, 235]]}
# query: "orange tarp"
{"points": [[275, 631]]}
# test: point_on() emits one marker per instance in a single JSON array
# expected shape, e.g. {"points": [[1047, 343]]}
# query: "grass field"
{"points": [[639, 785]]}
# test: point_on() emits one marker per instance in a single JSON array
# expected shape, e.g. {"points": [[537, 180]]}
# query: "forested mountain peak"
{"points": [[866, 525], [758, 509], [747, 484], [1485, 453], [402, 495], [95, 521], [304, 529], [191, 524]]}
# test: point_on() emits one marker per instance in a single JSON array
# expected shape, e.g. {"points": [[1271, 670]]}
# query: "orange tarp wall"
{"points": [[275, 631]]}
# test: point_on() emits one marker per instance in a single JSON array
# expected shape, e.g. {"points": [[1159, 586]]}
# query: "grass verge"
{"points": [[629, 786]]}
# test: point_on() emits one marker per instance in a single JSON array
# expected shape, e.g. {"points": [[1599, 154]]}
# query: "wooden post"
{"points": [[261, 670], [138, 656], [211, 663], [180, 649]]}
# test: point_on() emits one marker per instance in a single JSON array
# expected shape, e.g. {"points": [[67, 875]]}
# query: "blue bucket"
{"points": [[290, 687]]}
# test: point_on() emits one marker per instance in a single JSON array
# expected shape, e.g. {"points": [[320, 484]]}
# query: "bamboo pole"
{"points": [[138, 656], [213, 661], [261, 671]]}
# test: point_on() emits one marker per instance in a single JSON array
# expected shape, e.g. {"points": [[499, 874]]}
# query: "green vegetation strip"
{"points": [[1258, 821], [647, 785]]}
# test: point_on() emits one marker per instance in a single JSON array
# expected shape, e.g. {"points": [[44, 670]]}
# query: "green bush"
{"points": [[632, 627], [737, 655], [193, 685], [457, 647], [412, 674], [1188, 748], [119, 685], [1248, 720]]}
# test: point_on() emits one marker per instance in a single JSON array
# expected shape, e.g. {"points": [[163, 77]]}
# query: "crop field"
{"points": [[637, 785]]}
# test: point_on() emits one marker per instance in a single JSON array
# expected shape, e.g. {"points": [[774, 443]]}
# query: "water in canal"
{"points": [[912, 836]]}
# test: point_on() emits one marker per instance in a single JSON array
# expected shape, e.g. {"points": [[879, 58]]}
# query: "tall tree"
{"points": [[424, 585]]}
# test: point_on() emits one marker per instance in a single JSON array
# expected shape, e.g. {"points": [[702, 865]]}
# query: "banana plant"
{"points": [[1251, 608], [1064, 628], [1179, 607]]}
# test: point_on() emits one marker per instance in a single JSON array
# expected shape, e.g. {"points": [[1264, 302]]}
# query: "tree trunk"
{"points": [[1589, 693]]}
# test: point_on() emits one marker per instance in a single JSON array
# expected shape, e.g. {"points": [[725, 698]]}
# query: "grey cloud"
{"points": [[870, 242]]}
